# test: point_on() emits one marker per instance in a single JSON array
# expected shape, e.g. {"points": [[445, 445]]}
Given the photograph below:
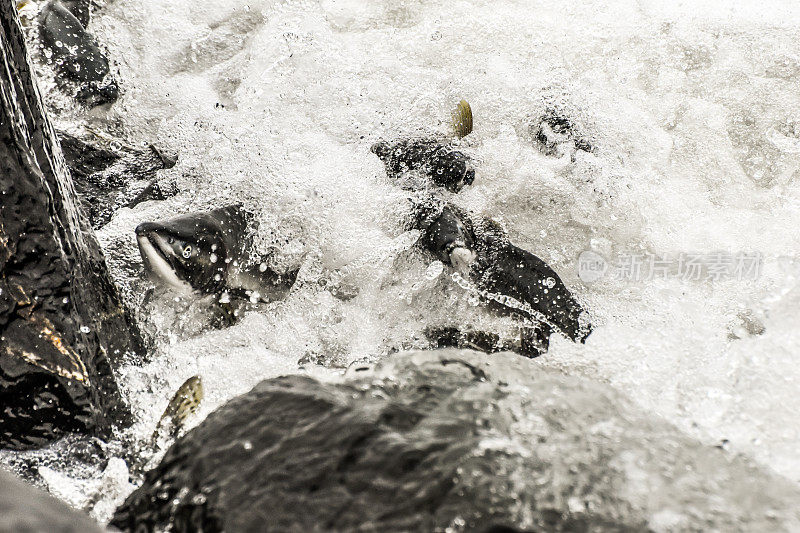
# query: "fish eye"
{"points": [[187, 251]]}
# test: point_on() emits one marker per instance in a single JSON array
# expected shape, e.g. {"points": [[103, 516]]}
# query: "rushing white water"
{"points": [[694, 112]]}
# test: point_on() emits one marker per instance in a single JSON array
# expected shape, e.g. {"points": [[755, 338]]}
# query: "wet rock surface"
{"points": [[557, 135], [24, 508], [438, 161], [450, 440], [107, 179], [62, 325]]}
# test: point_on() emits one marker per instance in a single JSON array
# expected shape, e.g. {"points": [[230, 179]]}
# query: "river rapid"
{"points": [[692, 110]]}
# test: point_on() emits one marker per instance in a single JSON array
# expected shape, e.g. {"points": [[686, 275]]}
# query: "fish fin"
{"points": [[462, 119]]}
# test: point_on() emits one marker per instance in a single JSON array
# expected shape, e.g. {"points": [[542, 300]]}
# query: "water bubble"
{"points": [[85, 329], [213, 258]]}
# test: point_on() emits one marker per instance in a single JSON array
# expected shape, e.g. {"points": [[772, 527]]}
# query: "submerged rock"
{"points": [[450, 440], [109, 179], [25, 508], [438, 161], [556, 135]]}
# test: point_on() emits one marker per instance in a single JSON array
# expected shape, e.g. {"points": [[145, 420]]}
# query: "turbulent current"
{"points": [[684, 212]]}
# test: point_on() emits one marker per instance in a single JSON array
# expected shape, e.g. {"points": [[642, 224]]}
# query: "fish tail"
{"points": [[462, 119]]}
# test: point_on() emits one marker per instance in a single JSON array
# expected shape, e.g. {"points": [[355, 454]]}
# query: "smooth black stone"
{"points": [[26, 509], [449, 439]]}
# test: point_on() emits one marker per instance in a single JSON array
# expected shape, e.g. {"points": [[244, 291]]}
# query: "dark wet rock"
{"points": [[450, 440], [74, 52], [454, 337], [438, 161], [556, 135], [24, 508], [88, 458], [109, 179], [531, 341], [62, 324]]}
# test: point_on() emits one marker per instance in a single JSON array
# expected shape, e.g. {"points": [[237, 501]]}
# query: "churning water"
{"points": [[692, 110]]}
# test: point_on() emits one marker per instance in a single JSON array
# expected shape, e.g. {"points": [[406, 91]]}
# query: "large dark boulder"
{"points": [[25, 509], [450, 440], [62, 325]]}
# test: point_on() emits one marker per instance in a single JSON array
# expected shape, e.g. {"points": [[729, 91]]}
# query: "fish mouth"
{"points": [[158, 245], [153, 242], [157, 257]]}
